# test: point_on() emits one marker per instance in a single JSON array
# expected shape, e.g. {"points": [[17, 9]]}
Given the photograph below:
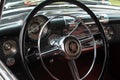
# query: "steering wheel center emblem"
{"points": [[72, 47]]}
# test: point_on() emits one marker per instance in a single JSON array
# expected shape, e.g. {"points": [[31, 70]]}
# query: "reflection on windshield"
{"points": [[35, 2], [32, 2], [25, 3]]}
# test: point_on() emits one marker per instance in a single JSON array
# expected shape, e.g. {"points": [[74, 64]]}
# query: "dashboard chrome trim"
{"points": [[5, 73]]}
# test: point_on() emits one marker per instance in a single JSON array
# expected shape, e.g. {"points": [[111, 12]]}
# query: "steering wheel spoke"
{"points": [[49, 53], [87, 42], [87, 39], [74, 70]]}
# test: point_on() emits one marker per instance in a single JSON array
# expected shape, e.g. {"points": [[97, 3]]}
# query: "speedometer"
{"points": [[35, 25]]}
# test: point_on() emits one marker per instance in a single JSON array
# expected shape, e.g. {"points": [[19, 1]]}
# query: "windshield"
{"points": [[35, 2], [25, 3]]}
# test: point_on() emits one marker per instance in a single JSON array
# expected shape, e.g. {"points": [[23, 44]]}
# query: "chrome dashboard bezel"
{"points": [[38, 20]]}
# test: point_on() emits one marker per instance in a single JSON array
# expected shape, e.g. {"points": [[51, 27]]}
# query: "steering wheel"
{"points": [[68, 46]]}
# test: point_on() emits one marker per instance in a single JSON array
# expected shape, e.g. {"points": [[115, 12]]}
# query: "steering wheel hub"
{"points": [[71, 47]]}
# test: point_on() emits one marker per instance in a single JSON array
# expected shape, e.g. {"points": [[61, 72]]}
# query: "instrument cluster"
{"points": [[63, 25], [35, 25]]}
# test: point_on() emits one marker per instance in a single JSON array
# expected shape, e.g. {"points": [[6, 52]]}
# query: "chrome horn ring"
{"points": [[63, 45]]}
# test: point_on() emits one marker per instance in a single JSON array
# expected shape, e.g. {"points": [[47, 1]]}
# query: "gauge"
{"points": [[35, 25], [9, 47]]}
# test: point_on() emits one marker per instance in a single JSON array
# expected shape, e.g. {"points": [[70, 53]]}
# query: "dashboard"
{"points": [[10, 48]]}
